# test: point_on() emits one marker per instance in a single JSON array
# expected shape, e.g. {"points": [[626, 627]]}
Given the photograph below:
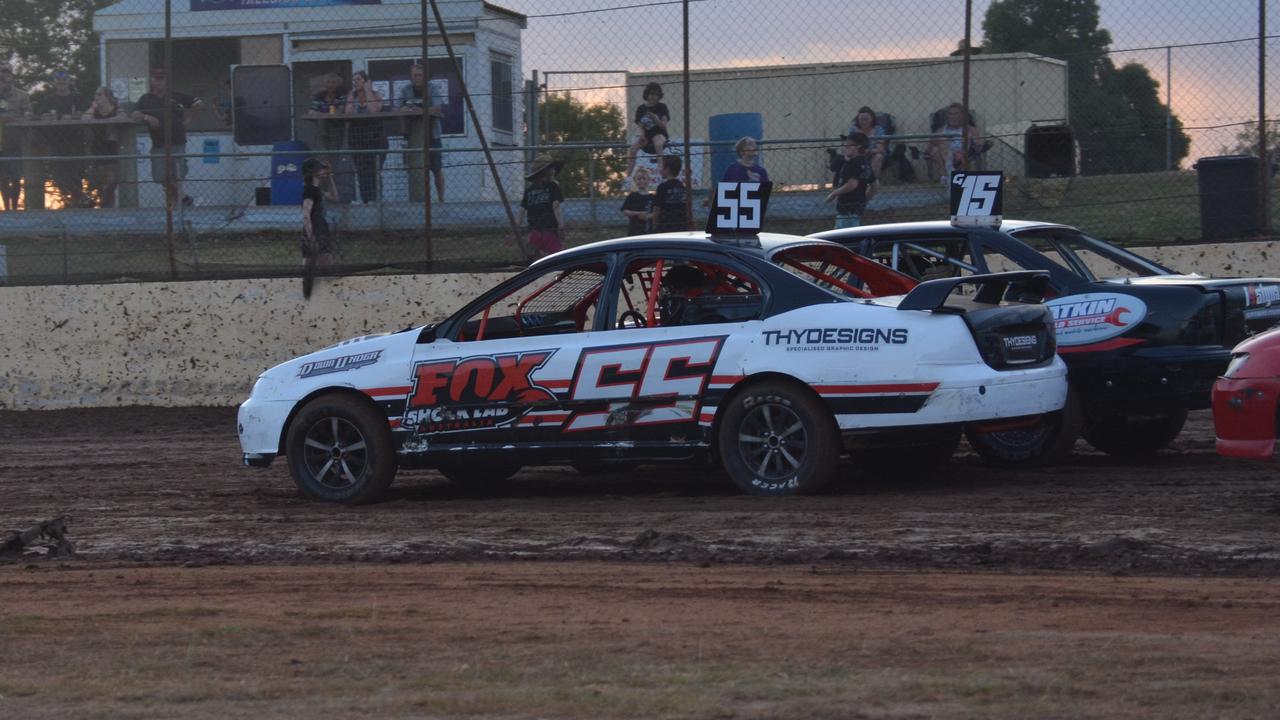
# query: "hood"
{"points": [[333, 362]]}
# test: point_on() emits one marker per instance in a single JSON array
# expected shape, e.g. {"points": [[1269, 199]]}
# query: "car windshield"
{"points": [[1088, 256], [841, 271]]}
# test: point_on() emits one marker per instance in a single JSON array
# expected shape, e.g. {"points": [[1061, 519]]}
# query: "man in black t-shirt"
{"points": [[855, 182], [150, 110], [652, 117], [669, 211]]}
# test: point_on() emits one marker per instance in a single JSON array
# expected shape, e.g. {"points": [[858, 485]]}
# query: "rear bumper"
{"points": [[1150, 379], [1244, 416]]}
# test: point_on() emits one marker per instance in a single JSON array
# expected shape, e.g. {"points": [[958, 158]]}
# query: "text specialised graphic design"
{"points": [[847, 339], [671, 377], [339, 364], [474, 392], [1094, 317]]}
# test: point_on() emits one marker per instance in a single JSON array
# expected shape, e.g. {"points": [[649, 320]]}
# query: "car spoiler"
{"points": [[1024, 286]]}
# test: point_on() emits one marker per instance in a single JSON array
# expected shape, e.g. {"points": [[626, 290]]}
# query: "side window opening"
{"points": [[669, 292], [842, 272], [553, 303]]}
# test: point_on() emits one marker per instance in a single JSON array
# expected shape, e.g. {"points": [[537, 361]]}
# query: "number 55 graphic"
{"points": [[739, 207]]}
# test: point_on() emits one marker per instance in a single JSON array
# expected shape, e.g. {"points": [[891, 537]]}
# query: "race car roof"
{"points": [[943, 225], [759, 245]]}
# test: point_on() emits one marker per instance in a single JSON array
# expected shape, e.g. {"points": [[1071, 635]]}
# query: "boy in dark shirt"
{"points": [[652, 116], [541, 204], [638, 207], [669, 212], [317, 246], [853, 181]]}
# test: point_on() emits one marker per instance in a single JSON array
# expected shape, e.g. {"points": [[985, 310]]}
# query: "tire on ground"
{"points": [[339, 450], [776, 438], [1047, 442], [1135, 437]]}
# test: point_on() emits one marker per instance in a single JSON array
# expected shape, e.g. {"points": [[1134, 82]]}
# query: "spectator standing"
{"points": [[652, 117], [746, 169], [102, 175], [853, 181], [541, 206], [150, 110], [669, 213], [638, 205], [365, 134], [411, 97], [317, 242], [15, 104], [67, 173], [867, 123]]}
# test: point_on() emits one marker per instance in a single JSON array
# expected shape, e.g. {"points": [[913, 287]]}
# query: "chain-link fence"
{"points": [[151, 140]]}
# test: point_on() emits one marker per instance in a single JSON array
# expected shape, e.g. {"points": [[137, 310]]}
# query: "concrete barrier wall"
{"points": [[204, 343], [194, 343]]}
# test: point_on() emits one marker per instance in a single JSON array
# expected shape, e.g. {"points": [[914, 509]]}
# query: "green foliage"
{"points": [[1116, 113], [1247, 141], [41, 36], [566, 120]]}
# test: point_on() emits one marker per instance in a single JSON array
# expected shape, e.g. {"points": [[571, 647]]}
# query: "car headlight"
{"points": [[1237, 362]]}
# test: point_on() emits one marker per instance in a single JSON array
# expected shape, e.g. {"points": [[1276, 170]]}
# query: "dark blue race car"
{"points": [[1143, 343]]}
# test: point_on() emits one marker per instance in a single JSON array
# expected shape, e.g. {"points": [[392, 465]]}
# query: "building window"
{"points": [[500, 81]]}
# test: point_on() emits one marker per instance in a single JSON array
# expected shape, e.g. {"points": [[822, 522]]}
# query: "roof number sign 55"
{"points": [[977, 197], [739, 208]]}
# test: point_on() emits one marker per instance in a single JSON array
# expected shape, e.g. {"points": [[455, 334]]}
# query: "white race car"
{"points": [[763, 352]]}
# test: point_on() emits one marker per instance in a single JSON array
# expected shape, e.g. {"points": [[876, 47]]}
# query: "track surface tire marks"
{"points": [[164, 485]]}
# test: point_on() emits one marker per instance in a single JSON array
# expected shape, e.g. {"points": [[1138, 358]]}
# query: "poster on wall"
{"points": [[206, 5]]}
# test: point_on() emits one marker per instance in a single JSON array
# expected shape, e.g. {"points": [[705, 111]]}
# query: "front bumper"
{"points": [[1244, 416], [260, 425]]}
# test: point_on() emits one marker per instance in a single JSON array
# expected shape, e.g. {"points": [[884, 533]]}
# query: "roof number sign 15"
{"points": [[977, 197]]}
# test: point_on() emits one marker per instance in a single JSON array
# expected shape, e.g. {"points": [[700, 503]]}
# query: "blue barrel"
{"points": [[729, 127], [286, 172]]}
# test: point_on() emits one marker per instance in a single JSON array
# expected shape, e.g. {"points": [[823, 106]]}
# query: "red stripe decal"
{"points": [[725, 379], [1100, 347], [875, 389], [554, 384], [383, 391]]}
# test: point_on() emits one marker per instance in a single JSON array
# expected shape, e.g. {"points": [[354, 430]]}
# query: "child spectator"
{"points": [[746, 169], [652, 117], [638, 207], [317, 245], [541, 204], [669, 212], [852, 182]]}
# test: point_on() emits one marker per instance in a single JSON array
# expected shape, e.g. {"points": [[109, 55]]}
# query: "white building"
{"points": [[312, 38]]}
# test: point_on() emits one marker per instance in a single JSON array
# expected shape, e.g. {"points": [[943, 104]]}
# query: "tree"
{"points": [[1116, 113], [1247, 141], [566, 120], [41, 36]]}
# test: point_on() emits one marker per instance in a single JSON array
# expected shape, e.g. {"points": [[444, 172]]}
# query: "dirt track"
{"points": [[203, 590], [164, 485]]}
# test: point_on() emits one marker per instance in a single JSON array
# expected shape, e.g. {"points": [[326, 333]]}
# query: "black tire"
{"points": [[1047, 442], [479, 474], [339, 450], [1135, 436], [778, 439]]}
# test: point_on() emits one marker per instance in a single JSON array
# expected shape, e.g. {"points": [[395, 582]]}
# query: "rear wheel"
{"points": [[1135, 436], [1048, 440], [339, 450], [777, 439]]}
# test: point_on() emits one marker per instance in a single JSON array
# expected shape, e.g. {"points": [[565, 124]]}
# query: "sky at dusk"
{"points": [[1213, 85]]}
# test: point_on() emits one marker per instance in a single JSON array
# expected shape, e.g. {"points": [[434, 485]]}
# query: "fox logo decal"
{"points": [[475, 392]]}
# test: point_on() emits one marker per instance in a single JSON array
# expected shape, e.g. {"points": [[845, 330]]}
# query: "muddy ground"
{"points": [[164, 485], [200, 589]]}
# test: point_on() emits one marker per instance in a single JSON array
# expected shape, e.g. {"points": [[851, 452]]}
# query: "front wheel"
{"points": [[1135, 436], [776, 439], [339, 450]]}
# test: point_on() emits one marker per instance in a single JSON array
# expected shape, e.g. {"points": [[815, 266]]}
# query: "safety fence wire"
{"points": [[1137, 122]]}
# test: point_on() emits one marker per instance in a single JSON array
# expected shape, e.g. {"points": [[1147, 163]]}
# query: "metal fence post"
{"points": [[591, 185]]}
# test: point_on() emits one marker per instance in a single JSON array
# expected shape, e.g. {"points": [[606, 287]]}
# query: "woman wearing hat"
{"points": [[541, 203]]}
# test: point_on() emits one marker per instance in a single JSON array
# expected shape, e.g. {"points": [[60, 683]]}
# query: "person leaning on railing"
{"points": [[15, 104], [102, 173]]}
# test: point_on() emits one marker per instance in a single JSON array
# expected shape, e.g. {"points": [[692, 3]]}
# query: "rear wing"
{"points": [[1022, 286]]}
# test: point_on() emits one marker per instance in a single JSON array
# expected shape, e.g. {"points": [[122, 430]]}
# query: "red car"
{"points": [[1244, 399]]}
